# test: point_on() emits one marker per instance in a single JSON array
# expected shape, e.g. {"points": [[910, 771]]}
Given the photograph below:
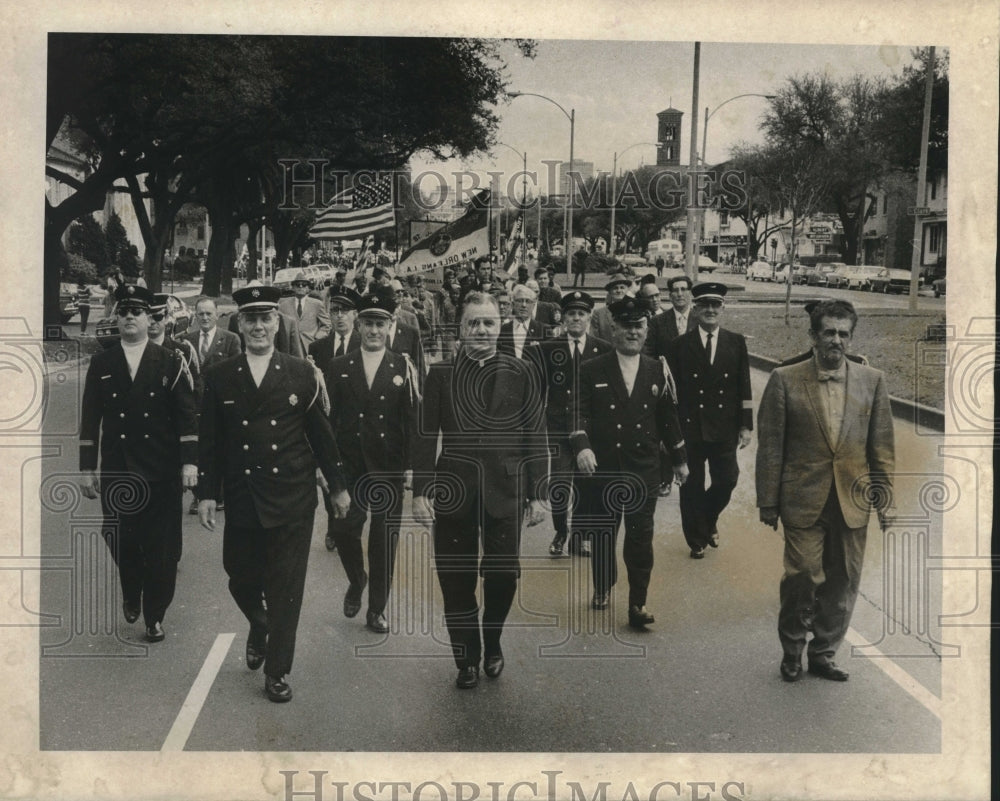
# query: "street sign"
{"points": [[918, 211], [825, 239]]}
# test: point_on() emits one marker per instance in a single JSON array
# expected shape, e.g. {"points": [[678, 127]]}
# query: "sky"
{"points": [[616, 89]]}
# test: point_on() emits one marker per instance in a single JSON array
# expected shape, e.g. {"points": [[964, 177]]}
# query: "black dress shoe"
{"points": [[330, 544], [828, 670], [664, 489], [468, 677], [131, 611], [639, 618], [277, 689], [376, 622], [713, 539], [155, 632], [493, 665], [791, 668], [256, 649], [698, 553], [352, 598], [600, 601], [556, 547]]}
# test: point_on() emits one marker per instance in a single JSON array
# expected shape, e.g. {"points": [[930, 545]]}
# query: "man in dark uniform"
{"points": [[487, 408], [263, 430], [343, 338], [402, 338], [287, 340], [561, 359], [373, 411], [626, 411], [139, 408], [712, 371]]}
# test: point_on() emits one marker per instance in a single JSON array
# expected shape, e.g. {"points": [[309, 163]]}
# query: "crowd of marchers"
{"points": [[491, 400]]}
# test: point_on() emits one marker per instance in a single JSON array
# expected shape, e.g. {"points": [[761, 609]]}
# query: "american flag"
{"points": [[356, 211]]}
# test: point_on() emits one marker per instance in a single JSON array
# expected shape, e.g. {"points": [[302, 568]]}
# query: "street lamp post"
{"points": [[704, 141], [709, 115], [614, 190], [571, 116]]}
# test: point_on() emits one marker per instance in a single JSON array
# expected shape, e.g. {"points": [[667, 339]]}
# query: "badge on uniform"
{"points": [[397, 380], [656, 390], [164, 380], [293, 399]]}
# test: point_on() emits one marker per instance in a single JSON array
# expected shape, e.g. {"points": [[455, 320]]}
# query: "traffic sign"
{"points": [[918, 210], [825, 239]]}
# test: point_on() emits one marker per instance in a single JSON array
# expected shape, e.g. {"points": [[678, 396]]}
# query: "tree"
{"points": [[839, 123], [761, 211], [121, 252], [900, 122], [87, 240]]}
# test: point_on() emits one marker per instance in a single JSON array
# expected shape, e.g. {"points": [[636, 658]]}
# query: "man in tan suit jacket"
{"points": [[825, 457], [311, 313]]}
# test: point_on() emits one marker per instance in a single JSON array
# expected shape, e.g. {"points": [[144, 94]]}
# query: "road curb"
{"points": [[910, 411]]}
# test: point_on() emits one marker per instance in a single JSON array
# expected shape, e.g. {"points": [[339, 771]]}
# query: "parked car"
{"points": [[940, 285], [820, 274], [632, 260], [706, 265], [106, 329], [860, 276], [68, 302], [781, 275], [891, 280], [838, 278], [760, 271]]}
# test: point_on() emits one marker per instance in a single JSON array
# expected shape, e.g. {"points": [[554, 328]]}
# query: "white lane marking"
{"points": [[188, 715], [909, 684]]}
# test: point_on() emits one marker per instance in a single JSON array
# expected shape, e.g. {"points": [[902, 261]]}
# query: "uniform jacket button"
{"points": [[246, 423], [246, 447], [274, 447], [122, 415], [274, 422], [246, 472], [123, 436], [274, 469]]}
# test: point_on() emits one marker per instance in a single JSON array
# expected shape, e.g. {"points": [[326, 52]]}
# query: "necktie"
{"points": [[300, 308], [203, 350], [829, 375], [576, 354], [340, 346], [708, 346]]}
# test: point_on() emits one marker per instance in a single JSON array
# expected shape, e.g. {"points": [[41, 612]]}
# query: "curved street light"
{"points": [[571, 116], [614, 189], [524, 199], [708, 116]]}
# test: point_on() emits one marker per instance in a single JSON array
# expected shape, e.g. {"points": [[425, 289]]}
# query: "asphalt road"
{"points": [[703, 679]]}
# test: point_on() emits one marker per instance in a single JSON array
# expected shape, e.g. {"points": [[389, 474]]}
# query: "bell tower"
{"points": [[668, 137]]}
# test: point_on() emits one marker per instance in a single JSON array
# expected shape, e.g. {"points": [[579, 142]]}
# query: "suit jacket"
{"points": [[625, 431], [322, 350], [223, 345], [288, 339], [796, 460], [714, 400], [496, 458], [663, 331], [505, 342], [315, 321], [146, 425], [264, 442], [407, 341], [562, 383], [375, 428], [600, 324]]}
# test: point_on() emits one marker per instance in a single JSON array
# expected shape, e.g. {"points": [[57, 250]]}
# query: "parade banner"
{"points": [[467, 238]]}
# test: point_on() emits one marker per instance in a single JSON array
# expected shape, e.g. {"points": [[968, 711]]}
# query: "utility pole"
{"points": [[918, 226], [691, 259]]}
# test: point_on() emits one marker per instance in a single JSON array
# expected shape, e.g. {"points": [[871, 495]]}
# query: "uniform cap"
{"points": [[630, 309], [132, 295], [577, 300], [257, 298], [709, 290]]}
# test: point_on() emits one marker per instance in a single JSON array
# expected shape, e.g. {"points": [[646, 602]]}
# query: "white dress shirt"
{"points": [[371, 361], [629, 366], [133, 355]]}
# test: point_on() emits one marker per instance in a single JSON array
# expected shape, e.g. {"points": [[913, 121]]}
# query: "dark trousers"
{"points": [[268, 565], [701, 506], [820, 585], [562, 474], [605, 511], [145, 543], [457, 561], [382, 497]]}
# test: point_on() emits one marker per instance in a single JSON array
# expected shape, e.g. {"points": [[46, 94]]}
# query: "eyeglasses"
{"points": [[158, 317], [125, 311]]}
